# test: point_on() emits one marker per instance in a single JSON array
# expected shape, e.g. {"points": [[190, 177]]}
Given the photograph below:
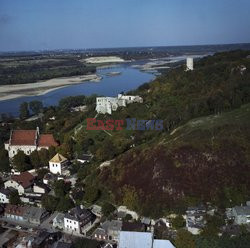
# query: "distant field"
{"points": [[31, 69]]}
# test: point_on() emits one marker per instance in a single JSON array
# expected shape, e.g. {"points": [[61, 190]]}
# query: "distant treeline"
{"points": [[32, 70]]}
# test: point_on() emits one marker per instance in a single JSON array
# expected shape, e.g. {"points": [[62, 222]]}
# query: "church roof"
{"points": [[23, 137], [58, 158], [46, 140]]}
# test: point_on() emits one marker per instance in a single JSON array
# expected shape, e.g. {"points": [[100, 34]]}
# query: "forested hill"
{"points": [[203, 152]]}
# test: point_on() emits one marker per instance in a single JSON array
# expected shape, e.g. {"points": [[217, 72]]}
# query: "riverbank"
{"points": [[13, 91]]}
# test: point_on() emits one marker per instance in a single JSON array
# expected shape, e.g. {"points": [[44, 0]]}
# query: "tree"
{"points": [[61, 188], [49, 202], [64, 204], [178, 222], [185, 239], [91, 194], [44, 157], [107, 209], [21, 162], [35, 159], [14, 198], [24, 111], [130, 197], [4, 165], [41, 173], [36, 107]]}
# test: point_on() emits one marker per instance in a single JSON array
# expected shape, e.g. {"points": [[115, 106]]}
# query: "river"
{"points": [[130, 78]]}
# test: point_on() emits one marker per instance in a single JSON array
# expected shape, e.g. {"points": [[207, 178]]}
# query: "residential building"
{"points": [[28, 141], [57, 163], [29, 214], [21, 182], [78, 219], [100, 234], [112, 229], [45, 239], [195, 219], [108, 104], [40, 188], [5, 194], [35, 215], [241, 214], [141, 239], [14, 212]]}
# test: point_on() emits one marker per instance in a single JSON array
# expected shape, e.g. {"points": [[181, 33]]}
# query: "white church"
{"points": [[108, 104], [28, 141]]}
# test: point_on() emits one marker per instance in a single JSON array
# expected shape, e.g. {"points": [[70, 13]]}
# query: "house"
{"points": [[35, 215], [57, 163], [28, 141], [195, 219], [31, 199], [100, 234], [112, 229], [78, 219], [40, 188], [109, 230], [241, 214], [14, 212], [45, 239], [141, 239], [108, 104], [58, 221], [29, 214], [5, 194], [21, 182]]}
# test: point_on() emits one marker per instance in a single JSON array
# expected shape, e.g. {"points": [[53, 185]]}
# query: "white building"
{"points": [[57, 163], [28, 141], [190, 64], [78, 219], [108, 104], [5, 195]]}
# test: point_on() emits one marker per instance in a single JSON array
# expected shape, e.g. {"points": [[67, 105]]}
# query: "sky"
{"points": [[78, 24]]}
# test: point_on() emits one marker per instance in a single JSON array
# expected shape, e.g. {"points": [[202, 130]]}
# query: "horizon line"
{"points": [[118, 47]]}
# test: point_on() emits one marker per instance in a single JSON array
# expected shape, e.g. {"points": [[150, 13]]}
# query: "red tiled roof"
{"points": [[47, 140], [23, 137], [25, 179], [15, 210]]}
